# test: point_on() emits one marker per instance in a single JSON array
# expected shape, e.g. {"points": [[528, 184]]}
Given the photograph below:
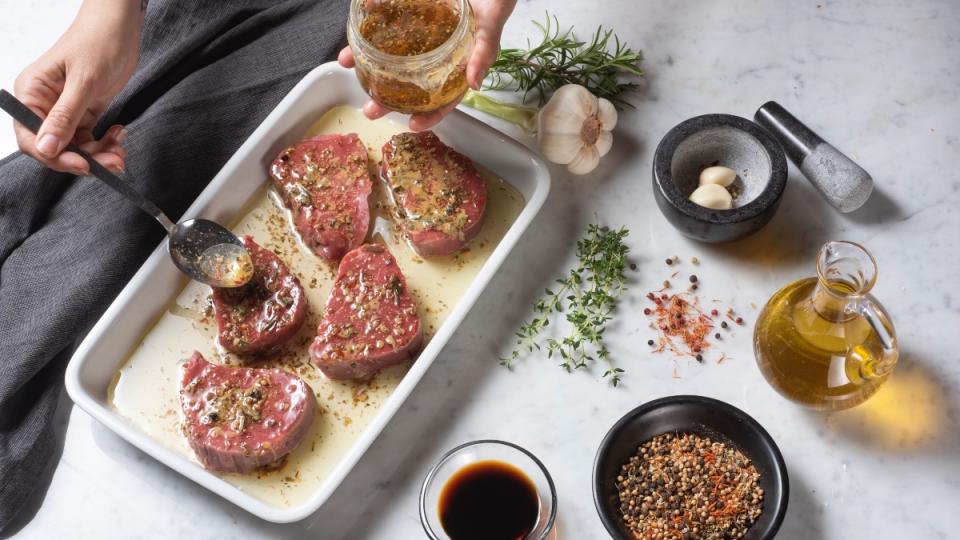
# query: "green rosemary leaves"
{"points": [[561, 59]]}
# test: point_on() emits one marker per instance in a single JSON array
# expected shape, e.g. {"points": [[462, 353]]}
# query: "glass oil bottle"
{"points": [[823, 341]]}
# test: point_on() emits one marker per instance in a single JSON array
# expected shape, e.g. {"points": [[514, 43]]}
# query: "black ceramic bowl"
{"points": [[719, 139], [703, 416]]}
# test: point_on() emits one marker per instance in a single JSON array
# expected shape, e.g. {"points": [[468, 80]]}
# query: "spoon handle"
{"points": [[21, 113]]}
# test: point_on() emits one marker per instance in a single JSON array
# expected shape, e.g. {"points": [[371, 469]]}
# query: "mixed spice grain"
{"points": [[683, 326], [687, 486]]}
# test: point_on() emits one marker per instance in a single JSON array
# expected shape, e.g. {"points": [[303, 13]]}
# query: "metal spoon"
{"points": [[200, 248]]}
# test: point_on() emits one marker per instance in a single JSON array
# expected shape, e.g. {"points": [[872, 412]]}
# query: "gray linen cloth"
{"points": [[209, 72]]}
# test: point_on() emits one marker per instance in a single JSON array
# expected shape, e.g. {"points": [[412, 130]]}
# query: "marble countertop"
{"points": [[881, 80]]}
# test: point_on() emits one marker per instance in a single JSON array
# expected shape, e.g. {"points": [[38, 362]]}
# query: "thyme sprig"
{"points": [[560, 58], [588, 298]]}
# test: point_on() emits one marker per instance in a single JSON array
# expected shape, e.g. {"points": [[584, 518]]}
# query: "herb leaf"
{"points": [[587, 298], [561, 59]]}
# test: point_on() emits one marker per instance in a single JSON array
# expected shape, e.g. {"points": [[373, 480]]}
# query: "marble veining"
{"points": [[880, 80]]}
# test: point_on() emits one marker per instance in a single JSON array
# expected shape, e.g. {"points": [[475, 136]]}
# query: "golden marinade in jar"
{"points": [[411, 55]]}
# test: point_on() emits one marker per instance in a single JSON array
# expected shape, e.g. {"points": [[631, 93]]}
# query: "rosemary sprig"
{"points": [[561, 59], [588, 298]]}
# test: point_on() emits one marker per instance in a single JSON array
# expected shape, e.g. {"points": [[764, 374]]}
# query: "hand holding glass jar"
{"points": [[420, 56]]}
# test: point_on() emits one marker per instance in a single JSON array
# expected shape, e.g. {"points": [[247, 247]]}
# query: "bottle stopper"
{"points": [[838, 178]]}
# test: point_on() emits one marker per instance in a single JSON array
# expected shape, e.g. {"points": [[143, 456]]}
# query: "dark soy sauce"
{"points": [[489, 500]]}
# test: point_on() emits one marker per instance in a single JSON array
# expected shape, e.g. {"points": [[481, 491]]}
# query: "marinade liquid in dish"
{"points": [[489, 500], [146, 390]]}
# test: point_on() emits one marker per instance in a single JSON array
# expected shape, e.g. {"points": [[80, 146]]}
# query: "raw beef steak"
{"points": [[439, 193], [371, 319], [325, 183], [265, 312], [243, 419]]}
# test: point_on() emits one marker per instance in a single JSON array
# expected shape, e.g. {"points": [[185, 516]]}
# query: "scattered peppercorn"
{"points": [[688, 486], [650, 342], [633, 266], [695, 260], [684, 327], [739, 320]]}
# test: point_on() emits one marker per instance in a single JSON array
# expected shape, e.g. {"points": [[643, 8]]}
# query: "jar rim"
{"points": [[376, 54]]}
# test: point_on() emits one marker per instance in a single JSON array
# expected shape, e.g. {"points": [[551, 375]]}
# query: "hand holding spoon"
{"points": [[200, 248]]}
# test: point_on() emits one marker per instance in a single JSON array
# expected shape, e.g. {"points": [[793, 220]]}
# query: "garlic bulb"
{"points": [[574, 128], [713, 196]]}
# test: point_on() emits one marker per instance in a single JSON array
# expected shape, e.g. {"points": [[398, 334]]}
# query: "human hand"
{"points": [[71, 85], [490, 17]]}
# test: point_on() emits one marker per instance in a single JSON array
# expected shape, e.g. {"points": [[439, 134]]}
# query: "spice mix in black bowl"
{"points": [[689, 467]]}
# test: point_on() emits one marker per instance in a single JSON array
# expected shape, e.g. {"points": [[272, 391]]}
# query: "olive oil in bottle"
{"points": [[824, 342]]}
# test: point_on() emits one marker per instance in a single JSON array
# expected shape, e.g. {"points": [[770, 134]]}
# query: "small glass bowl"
{"points": [[488, 450]]}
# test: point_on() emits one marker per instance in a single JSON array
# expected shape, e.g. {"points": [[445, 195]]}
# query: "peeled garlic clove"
{"points": [[721, 176], [713, 196]]}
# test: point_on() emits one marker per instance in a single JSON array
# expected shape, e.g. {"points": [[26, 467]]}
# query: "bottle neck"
{"points": [[832, 304]]}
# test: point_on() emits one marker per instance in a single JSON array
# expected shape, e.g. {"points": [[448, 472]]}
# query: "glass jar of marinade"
{"points": [[411, 55]]}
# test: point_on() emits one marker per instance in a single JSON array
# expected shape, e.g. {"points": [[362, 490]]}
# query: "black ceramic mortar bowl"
{"points": [[720, 421], [719, 139]]}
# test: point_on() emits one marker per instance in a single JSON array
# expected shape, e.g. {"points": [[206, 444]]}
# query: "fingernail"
{"points": [[122, 136], [48, 145]]}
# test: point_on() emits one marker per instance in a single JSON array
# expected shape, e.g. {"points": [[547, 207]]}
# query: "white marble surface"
{"points": [[879, 79], [22, 40]]}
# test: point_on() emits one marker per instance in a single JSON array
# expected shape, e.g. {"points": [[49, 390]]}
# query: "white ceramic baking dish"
{"points": [[106, 347]]}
